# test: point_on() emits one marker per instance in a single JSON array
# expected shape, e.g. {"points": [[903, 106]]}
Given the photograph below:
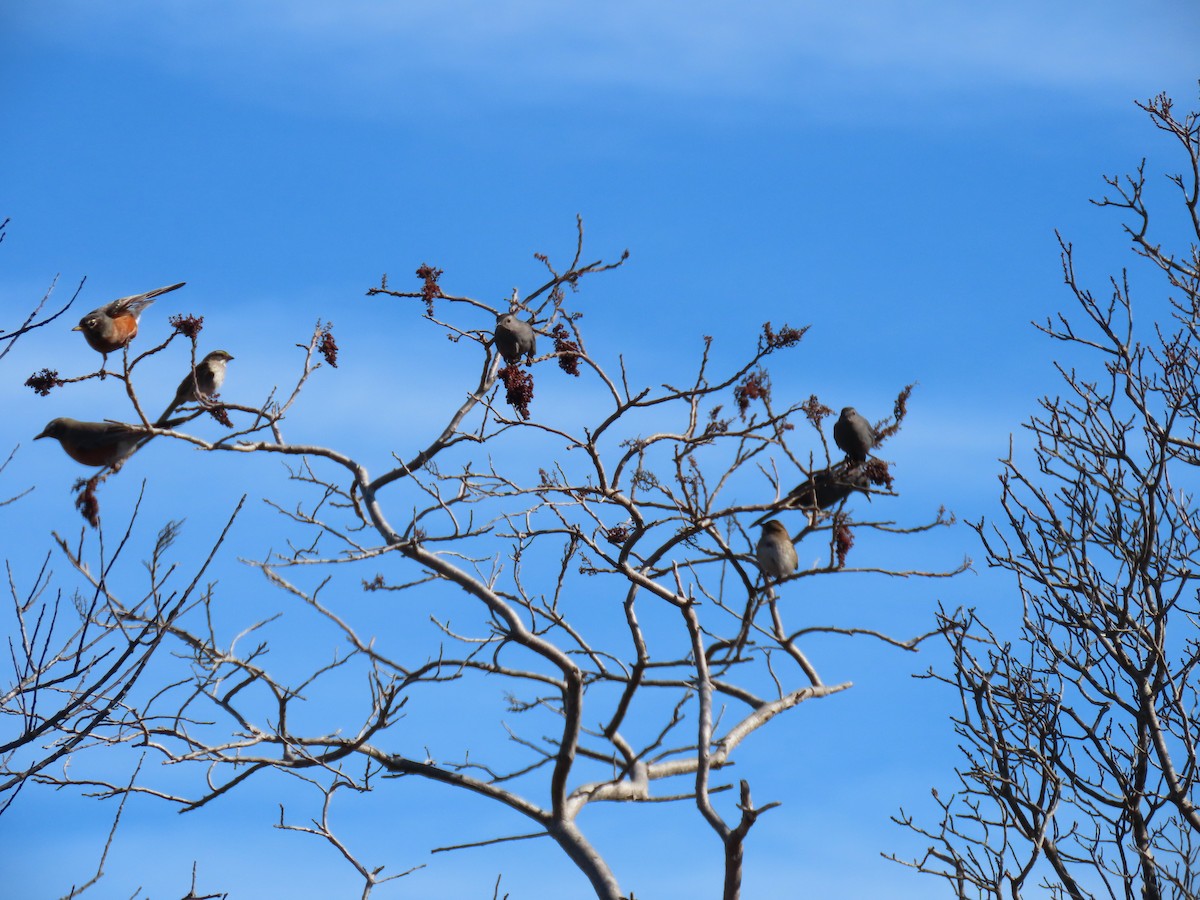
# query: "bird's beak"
{"points": [[77, 328], [42, 435]]}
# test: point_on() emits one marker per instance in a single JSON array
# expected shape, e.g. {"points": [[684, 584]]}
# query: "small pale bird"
{"points": [[95, 443], [114, 325], [775, 552], [202, 382], [514, 338], [853, 434]]}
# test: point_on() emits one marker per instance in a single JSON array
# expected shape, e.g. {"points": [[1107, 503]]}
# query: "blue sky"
{"points": [[891, 175]]}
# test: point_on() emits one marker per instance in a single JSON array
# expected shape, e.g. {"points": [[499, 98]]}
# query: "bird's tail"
{"points": [[135, 303], [162, 421]]}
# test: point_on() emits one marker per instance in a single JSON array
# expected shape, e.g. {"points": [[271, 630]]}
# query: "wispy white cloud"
{"points": [[381, 52]]}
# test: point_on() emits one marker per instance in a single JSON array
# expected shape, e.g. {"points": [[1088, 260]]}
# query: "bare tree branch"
{"points": [[1080, 737]]}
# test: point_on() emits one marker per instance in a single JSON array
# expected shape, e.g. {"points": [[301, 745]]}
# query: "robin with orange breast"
{"points": [[95, 443], [114, 325]]}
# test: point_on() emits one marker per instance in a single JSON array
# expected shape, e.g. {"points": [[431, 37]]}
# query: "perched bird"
{"points": [[202, 382], [828, 487], [775, 551], [114, 325], [852, 434], [824, 488], [514, 338], [95, 443]]}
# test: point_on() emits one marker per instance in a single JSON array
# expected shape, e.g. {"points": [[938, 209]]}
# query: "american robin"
{"points": [[114, 325], [514, 338], [775, 552], [203, 381], [95, 443], [853, 435]]}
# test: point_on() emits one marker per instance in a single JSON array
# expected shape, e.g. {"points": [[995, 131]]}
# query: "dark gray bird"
{"points": [[95, 443], [775, 552], [514, 338], [823, 489], [853, 434], [202, 382], [828, 487]]}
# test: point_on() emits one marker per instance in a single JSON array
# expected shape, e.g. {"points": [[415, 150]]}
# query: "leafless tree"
{"points": [[590, 558], [1080, 737]]}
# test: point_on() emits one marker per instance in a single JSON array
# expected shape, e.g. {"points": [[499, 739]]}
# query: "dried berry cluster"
{"points": [[617, 535], [328, 346], [188, 326], [901, 408], [219, 413], [785, 337], [877, 472], [44, 381], [86, 502], [567, 350], [519, 386], [899, 411], [430, 290], [844, 540], [756, 387], [815, 410]]}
